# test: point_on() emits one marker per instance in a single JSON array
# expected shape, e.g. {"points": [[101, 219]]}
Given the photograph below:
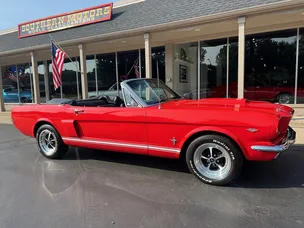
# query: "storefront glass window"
{"points": [[42, 83], [69, 73], [70, 87], [128, 65], [270, 62], [106, 74], [213, 68], [300, 88], [17, 84], [185, 69], [91, 74], [233, 68], [158, 63]]}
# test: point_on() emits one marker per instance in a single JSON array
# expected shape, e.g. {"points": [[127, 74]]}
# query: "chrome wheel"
{"points": [[48, 142], [212, 161]]}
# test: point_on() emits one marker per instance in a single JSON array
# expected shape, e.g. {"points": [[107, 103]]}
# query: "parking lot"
{"points": [[100, 189]]}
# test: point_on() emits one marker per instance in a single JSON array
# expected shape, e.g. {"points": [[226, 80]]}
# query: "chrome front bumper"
{"points": [[291, 138]]}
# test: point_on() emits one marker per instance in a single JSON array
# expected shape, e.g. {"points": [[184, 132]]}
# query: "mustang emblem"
{"points": [[252, 129], [174, 141]]}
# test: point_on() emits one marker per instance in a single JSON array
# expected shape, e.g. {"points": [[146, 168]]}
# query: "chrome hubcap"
{"points": [[48, 142], [212, 161], [284, 99]]}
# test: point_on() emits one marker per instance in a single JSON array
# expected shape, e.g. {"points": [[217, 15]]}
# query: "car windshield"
{"points": [[152, 91]]}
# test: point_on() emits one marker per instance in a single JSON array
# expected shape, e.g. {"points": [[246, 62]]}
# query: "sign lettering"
{"points": [[69, 20]]}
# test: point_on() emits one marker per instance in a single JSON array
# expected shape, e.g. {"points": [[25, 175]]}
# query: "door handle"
{"points": [[77, 111]]}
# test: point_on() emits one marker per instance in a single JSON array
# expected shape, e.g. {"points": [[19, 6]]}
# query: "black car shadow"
{"points": [[287, 171]]}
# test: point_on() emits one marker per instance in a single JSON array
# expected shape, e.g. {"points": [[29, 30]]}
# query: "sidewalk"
{"points": [[5, 118]]}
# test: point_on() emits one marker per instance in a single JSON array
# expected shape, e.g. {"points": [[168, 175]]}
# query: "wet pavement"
{"points": [[91, 188]]}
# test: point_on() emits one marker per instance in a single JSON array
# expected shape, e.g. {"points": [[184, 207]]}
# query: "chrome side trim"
{"points": [[164, 149], [130, 145]]}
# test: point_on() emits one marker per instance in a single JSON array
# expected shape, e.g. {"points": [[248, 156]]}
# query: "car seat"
{"points": [[119, 102]]}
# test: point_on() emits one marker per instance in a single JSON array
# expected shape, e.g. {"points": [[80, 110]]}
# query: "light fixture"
{"points": [[197, 30]]}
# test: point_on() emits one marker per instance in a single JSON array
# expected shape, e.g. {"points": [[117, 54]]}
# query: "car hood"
{"points": [[231, 103]]}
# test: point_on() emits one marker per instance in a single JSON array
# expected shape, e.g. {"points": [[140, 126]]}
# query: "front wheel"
{"points": [[214, 159], [50, 143]]}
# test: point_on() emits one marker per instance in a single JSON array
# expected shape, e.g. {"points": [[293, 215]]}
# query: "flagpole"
{"points": [[132, 66], [76, 65], [139, 62]]}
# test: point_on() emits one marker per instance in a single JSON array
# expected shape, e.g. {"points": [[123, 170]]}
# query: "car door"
{"points": [[109, 128]]}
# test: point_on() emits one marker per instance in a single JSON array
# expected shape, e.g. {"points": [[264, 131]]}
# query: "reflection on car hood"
{"points": [[235, 103]]}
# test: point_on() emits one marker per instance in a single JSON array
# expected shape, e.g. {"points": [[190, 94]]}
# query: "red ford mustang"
{"points": [[214, 136]]}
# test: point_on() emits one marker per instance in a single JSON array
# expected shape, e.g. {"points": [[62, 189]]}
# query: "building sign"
{"points": [[64, 21]]}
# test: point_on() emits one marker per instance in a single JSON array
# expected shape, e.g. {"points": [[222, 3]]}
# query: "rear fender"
{"points": [[65, 128], [219, 130], [47, 121]]}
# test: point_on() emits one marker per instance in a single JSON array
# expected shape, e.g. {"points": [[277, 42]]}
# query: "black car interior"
{"points": [[101, 101]]}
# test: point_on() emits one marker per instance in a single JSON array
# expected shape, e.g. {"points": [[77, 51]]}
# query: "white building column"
{"points": [[46, 81], [2, 108], [83, 71], [241, 57], [169, 59], [35, 79], [148, 57]]}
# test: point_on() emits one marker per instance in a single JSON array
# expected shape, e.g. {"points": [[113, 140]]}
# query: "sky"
{"points": [[13, 12]]}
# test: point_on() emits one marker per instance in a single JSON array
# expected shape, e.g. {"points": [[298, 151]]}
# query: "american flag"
{"points": [[136, 69], [58, 57], [12, 76]]}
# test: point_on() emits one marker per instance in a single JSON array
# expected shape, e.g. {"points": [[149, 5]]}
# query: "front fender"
{"points": [[214, 129]]}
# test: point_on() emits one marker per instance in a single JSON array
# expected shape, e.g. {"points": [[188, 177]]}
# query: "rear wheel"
{"points": [[24, 100], [50, 143], [214, 159]]}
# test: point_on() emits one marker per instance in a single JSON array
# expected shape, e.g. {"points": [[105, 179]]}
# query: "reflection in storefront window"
{"points": [[158, 63], [91, 74], [101, 69], [214, 78], [128, 65], [270, 62], [213, 75], [106, 71], [17, 84], [158, 55], [42, 83], [71, 83], [185, 79]]}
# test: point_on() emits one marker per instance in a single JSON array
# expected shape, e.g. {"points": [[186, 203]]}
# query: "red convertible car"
{"points": [[213, 136]]}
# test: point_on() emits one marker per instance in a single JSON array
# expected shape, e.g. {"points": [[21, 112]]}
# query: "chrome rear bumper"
{"points": [[291, 138]]}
